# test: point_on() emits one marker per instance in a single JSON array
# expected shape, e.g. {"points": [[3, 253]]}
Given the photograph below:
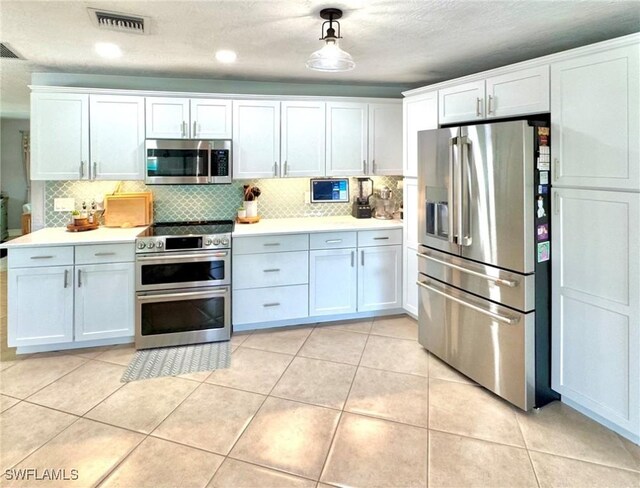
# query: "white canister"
{"points": [[251, 207], [242, 213]]}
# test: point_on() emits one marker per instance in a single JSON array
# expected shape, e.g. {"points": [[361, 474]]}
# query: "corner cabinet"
{"points": [[87, 137], [595, 120], [346, 139], [420, 112], [59, 136], [256, 139], [596, 304]]}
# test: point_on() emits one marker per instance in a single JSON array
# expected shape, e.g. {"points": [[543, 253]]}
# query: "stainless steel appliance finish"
{"points": [[482, 300], [183, 283], [492, 344], [190, 162], [478, 193]]}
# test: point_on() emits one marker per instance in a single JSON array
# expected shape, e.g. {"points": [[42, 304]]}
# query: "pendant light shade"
{"points": [[330, 57]]}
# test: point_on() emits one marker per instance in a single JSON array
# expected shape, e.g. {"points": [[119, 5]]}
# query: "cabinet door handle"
{"points": [[41, 257], [79, 278], [275, 168], [286, 168], [556, 167], [81, 169], [361, 258], [195, 129], [104, 254], [275, 304], [479, 107], [272, 270], [556, 203], [373, 166], [95, 170], [182, 128], [489, 107], [364, 166], [353, 256], [66, 278]]}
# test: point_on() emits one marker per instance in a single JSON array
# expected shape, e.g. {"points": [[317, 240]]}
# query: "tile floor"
{"points": [[350, 404]]}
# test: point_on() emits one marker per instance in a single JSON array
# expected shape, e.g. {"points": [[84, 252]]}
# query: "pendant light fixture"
{"points": [[330, 57]]}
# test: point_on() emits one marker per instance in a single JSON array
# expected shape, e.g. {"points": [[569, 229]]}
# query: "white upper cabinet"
{"points": [[595, 120], [462, 103], [167, 118], [210, 119], [117, 137], [303, 139], [346, 139], [521, 92], [256, 139], [385, 138], [59, 136], [596, 302], [420, 113]]}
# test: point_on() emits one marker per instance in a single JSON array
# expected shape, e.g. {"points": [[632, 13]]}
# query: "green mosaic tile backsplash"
{"points": [[281, 198]]}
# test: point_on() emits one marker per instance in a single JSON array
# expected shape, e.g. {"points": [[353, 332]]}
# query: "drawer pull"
{"points": [[276, 304], [498, 281], [493, 315], [333, 241], [273, 270], [380, 238], [271, 244], [41, 257], [104, 254]]}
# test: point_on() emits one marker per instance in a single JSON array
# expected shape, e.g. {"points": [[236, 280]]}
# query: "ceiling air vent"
{"points": [[134, 24], [7, 53]]}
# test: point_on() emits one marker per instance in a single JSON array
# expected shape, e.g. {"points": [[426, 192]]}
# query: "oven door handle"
{"points": [[162, 297], [182, 257]]}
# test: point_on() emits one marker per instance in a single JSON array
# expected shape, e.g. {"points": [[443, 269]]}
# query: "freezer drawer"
{"points": [[504, 287], [491, 344]]}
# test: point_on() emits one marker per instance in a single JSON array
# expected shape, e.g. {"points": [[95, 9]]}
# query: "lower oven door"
{"points": [[490, 343], [179, 317], [168, 271]]}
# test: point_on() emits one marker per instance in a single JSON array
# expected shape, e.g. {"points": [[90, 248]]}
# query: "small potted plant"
{"points": [[251, 194], [79, 219]]}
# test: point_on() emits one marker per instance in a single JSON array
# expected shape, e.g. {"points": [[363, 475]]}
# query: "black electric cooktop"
{"points": [[198, 227]]}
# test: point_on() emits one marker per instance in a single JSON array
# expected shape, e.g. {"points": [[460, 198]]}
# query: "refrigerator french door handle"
{"points": [[464, 238], [452, 147], [493, 315], [498, 281]]}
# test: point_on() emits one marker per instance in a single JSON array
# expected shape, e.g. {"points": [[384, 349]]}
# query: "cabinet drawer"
{"points": [[332, 240], [105, 253], [272, 269], [40, 256], [387, 237], [270, 243], [270, 304]]}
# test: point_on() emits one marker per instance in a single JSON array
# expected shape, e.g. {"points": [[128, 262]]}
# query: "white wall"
{"points": [[13, 182]]}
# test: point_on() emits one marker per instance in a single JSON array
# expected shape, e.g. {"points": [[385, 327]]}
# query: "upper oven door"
{"points": [[182, 270], [175, 162]]}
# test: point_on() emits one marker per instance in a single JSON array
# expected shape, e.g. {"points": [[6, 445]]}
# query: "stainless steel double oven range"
{"points": [[183, 283]]}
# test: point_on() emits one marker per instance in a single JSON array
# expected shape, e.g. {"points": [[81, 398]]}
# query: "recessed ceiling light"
{"points": [[226, 56], [108, 50]]}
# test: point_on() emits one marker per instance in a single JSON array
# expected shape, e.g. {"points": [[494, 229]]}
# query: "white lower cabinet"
{"points": [[380, 278], [104, 301], [40, 303], [333, 281], [596, 303], [63, 303]]}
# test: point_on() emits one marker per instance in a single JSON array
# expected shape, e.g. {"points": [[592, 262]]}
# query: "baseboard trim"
{"points": [[69, 346]]}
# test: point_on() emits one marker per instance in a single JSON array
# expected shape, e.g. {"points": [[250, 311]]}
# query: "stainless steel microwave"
{"points": [[187, 162]]}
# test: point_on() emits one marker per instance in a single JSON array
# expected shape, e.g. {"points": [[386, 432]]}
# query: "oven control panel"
{"points": [[182, 243]]}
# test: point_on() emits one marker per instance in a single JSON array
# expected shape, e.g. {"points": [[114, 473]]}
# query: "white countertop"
{"points": [[59, 236], [313, 224]]}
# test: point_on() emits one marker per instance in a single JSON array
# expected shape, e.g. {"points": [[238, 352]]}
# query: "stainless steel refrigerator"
{"points": [[484, 257]]}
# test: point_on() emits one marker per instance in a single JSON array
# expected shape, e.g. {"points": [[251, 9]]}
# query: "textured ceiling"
{"points": [[404, 42]]}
